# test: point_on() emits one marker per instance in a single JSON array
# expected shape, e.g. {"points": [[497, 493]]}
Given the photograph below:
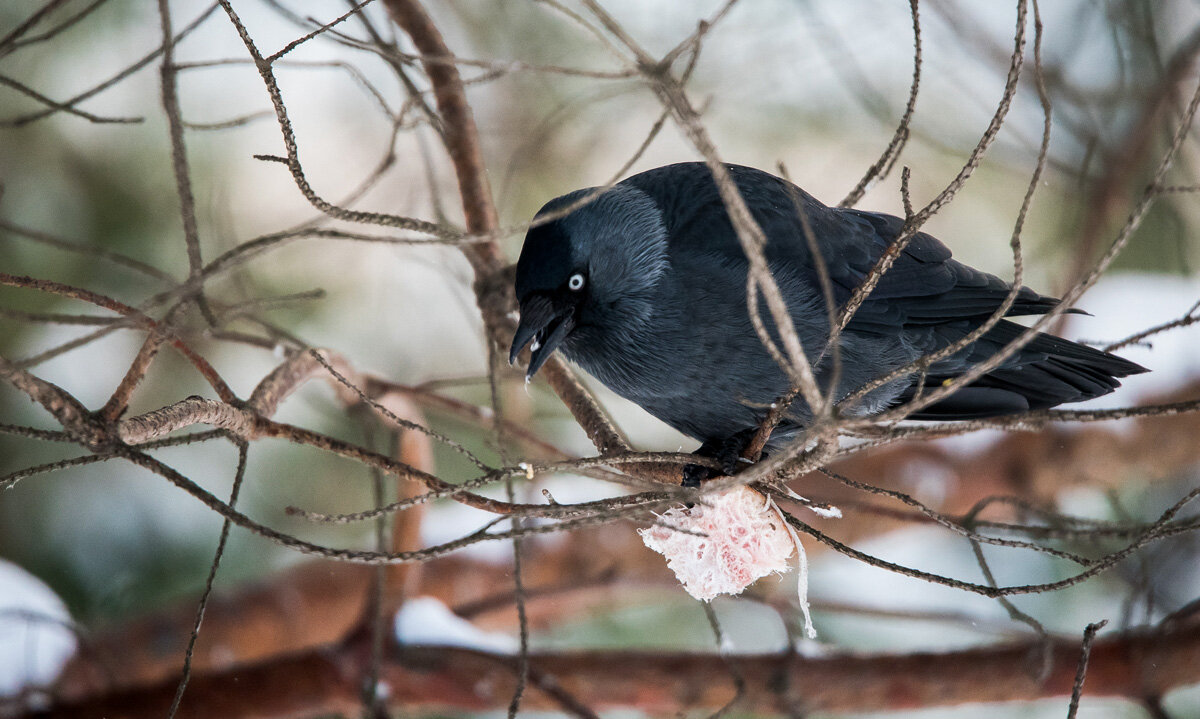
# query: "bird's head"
{"points": [[594, 266]]}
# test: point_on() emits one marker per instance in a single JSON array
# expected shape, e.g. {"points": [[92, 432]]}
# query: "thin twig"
{"points": [[1085, 652], [879, 170], [239, 475]]}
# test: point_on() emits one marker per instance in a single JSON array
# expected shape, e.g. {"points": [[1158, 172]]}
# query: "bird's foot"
{"points": [[726, 451], [695, 474]]}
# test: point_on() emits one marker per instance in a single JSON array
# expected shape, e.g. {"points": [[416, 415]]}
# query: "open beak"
{"points": [[544, 323]]}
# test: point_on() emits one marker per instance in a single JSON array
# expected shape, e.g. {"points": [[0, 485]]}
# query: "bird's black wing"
{"points": [[927, 298], [924, 286]]}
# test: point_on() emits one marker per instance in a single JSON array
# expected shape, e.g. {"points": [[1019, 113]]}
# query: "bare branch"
{"points": [[185, 413], [56, 106], [891, 153], [206, 370], [1129, 665], [292, 160], [94, 251], [68, 411], [21, 120], [1085, 653], [914, 223], [28, 23]]}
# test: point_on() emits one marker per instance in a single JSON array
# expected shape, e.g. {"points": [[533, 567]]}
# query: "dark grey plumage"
{"points": [[644, 287]]}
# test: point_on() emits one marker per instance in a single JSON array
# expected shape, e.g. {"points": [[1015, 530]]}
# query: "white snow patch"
{"points": [[826, 512], [448, 520], [844, 580], [425, 621], [970, 443], [1125, 304], [34, 641], [809, 648]]}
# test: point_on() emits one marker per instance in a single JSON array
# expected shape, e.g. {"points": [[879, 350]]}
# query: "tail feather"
{"points": [[1045, 373]]}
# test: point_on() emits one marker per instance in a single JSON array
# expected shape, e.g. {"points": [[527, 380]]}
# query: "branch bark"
{"points": [[493, 286], [317, 602], [1132, 665]]}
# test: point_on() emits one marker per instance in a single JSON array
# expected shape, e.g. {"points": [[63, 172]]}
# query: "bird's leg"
{"points": [[728, 453]]}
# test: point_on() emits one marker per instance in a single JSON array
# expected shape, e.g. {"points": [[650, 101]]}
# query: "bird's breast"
{"points": [[628, 362]]}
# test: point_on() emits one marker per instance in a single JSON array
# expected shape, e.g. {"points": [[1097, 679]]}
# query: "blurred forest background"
{"points": [[89, 199]]}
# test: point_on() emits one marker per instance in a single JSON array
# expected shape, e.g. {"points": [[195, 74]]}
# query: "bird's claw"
{"points": [[728, 454], [695, 474]]}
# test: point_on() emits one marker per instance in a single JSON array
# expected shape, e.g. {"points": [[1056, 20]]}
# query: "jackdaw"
{"points": [[644, 287]]}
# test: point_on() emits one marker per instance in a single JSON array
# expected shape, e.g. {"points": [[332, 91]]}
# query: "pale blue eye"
{"points": [[575, 282]]}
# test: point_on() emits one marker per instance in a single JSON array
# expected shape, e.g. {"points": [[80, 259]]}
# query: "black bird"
{"points": [[645, 288]]}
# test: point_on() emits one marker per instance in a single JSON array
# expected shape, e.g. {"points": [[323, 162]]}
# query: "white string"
{"points": [[802, 571]]}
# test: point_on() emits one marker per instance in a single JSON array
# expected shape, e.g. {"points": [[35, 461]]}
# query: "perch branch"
{"points": [[1130, 665]]}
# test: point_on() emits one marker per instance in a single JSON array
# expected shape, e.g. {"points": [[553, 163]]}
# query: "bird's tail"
{"points": [[1046, 372]]}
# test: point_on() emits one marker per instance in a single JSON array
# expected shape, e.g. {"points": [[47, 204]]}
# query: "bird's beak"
{"points": [[544, 323]]}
